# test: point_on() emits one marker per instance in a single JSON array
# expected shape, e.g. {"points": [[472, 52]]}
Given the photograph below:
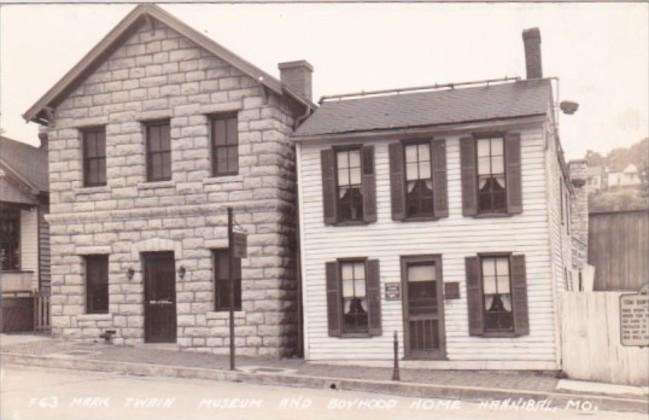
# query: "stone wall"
{"points": [[157, 74], [579, 212]]}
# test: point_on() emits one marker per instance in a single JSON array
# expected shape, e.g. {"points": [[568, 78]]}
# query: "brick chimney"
{"points": [[296, 75], [532, 42], [578, 173]]}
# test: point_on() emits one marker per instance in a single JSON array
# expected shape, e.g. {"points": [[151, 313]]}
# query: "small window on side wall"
{"points": [[225, 144], [96, 284], [222, 280], [158, 150], [94, 156], [10, 238]]}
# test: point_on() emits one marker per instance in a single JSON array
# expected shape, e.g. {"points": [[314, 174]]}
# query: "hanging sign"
{"points": [[634, 318], [239, 245]]}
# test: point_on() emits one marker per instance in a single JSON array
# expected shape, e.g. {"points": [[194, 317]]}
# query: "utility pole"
{"points": [[231, 282]]}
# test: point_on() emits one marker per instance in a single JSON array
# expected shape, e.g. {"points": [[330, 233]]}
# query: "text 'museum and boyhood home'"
{"points": [[151, 136], [442, 214]]}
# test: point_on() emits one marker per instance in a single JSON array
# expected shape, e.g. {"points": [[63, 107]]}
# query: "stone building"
{"points": [[152, 135]]}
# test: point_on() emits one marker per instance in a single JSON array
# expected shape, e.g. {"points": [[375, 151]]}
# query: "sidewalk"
{"points": [[465, 385]]}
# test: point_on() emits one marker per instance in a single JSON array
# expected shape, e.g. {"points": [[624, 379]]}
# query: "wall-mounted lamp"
{"points": [[181, 272], [130, 273]]}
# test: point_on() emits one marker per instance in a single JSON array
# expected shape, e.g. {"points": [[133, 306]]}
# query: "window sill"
{"points": [[95, 317], [92, 190], [224, 314], [491, 215], [17, 271], [497, 334], [155, 184], [221, 179], [421, 219], [355, 335], [352, 223]]}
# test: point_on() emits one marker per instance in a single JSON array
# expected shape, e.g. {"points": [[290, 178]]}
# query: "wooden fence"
{"points": [[591, 345], [618, 248]]}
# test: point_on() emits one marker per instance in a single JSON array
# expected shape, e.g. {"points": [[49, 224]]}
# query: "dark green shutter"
{"points": [[474, 296], [374, 297], [468, 176], [513, 173], [438, 160], [368, 184], [397, 182], [519, 295], [329, 201], [334, 299]]}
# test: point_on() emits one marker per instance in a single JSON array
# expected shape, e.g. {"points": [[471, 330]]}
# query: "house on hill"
{"points": [[24, 233]]}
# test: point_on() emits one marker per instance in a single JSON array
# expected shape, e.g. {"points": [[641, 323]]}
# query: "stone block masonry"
{"points": [[158, 74]]}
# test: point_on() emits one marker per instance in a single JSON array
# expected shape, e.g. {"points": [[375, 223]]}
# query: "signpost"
{"points": [[634, 318], [236, 249]]}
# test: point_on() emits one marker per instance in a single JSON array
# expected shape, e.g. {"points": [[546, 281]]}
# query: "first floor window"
{"points": [[350, 196], [419, 182], [96, 284], [222, 281], [492, 193], [496, 286], [10, 238], [354, 298]]}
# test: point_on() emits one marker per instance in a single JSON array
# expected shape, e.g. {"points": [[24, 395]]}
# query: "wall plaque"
{"points": [[392, 291], [634, 318], [452, 290]]}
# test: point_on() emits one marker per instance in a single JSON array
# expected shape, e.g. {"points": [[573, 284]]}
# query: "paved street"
{"points": [[37, 393]]}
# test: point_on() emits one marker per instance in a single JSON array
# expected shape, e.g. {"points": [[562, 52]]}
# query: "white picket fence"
{"points": [[591, 346]]}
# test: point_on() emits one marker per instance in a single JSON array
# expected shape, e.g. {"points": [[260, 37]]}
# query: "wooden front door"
{"points": [[159, 297], [423, 307]]}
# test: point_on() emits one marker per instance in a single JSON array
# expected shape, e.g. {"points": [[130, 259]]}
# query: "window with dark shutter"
{"points": [[158, 151], [397, 182], [94, 156], [368, 184], [513, 172], [353, 297], [348, 185], [328, 167], [10, 238], [419, 180], [440, 194], [468, 175], [497, 295], [222, 281], [492, 184], [225, 145], [96, 284]]}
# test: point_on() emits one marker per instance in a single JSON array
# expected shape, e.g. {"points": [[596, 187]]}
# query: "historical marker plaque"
{"points": [[634, 318], [392, 291]]}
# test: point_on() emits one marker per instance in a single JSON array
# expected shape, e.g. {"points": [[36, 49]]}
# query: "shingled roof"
{"points": [[429, 108], [27, 161]]}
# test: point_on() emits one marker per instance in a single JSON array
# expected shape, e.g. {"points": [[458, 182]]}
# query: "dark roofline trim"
{"points": [[424, 129], [19, 177], [121, 30]]}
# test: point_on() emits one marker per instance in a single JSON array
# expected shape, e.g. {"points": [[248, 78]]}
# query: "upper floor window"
{"points": [[10, 238], [96, 284], [419, 180], [222, 280], [491, 174], [158, 151], [225, 145], [94, 157], [492, 184], [350, 198]]}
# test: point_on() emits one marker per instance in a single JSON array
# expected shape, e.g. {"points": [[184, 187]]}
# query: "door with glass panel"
{"points": [[423, 307]]}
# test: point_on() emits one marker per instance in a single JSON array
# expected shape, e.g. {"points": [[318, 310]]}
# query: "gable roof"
{"points": [[38, 112], [522, 98], [29, 163]]}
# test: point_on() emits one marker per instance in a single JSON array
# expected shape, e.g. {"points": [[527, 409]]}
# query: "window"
{"points": [[419, 182], [349, 194], [225, 145], [158, 149], [492, 194], [10, 238], [222, 281], [354, 297], [97, 284], [496, 286], [94, 157]]}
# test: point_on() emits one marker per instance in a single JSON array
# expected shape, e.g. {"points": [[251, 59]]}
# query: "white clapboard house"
{"points": [[441, 214]]}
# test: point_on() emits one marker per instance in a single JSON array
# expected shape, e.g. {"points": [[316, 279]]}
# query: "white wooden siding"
{"points": [[455, 238], [29, 241]]}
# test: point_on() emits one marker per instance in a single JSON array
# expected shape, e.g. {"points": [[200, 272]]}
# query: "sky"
{"points": [[599, 51]]}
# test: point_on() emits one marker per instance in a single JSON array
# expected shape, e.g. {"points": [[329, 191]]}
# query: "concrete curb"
{"points": [[586, 402]]}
